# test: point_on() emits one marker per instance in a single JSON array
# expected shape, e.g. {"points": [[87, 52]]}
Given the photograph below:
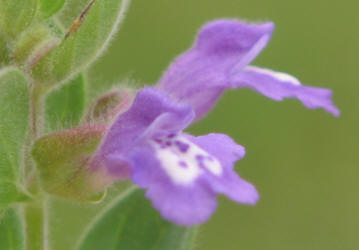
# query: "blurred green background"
{"points": [[304, 163]]}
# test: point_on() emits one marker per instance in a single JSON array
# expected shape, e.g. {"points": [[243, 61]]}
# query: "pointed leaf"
{"points": [[132, 223], [50, 7], [65, 106], [16, 16], [11, 231], [62, 159], [86, 39]]}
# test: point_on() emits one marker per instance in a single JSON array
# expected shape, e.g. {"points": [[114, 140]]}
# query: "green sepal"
{"points": [[16, 16], [65, 106], [107, 106], [85, 40], [62, 162], [14, 116], [11, 231], [132, 223]]}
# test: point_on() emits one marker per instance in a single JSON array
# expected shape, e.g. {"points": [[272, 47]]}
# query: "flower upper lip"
{"points": [[219, 60]]}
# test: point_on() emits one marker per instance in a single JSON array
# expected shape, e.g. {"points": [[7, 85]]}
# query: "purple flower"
{"points": [[182, 173], [219, 60]]}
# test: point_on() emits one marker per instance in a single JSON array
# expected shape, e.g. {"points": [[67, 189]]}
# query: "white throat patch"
{"points": [[184, 161]]}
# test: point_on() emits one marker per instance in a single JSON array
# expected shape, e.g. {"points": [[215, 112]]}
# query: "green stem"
{"points": [[35, 221], [192, 236], [35, 226], [36, 112]]}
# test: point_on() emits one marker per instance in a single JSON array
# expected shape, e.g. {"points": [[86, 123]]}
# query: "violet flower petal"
{"points": [[201, 74], [217, 61], [183, 182], [151, 112], [229, 183], [278, 85], [184, 205]]}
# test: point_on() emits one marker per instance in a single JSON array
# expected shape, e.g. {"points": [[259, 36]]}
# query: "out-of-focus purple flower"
{"points": [[183, 173], [219, 60]]}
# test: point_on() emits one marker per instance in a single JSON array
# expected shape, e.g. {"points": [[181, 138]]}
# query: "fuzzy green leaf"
{"points": [[132, 223], [11, 231], [65, 106], [16, 16], [32, 43], [4, 51], [71, 11], [50, 7], [14, 115], [86, 39]]}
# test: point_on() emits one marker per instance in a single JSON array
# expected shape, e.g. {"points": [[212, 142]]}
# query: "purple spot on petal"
{"points": [[158, 140], [199, 158], [168, 143], [201, 161], [202, 166], [172, 135], [183, 147], [182, 164]]}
